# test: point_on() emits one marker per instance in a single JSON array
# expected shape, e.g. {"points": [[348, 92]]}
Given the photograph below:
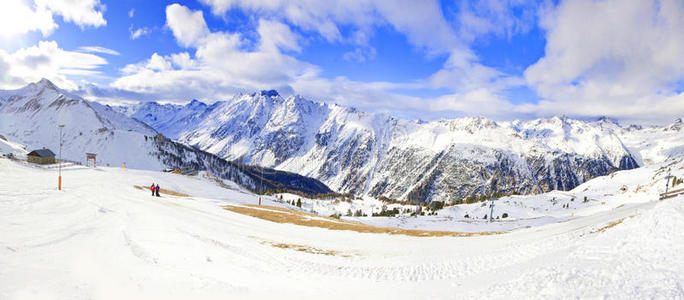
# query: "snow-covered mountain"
{"points": [[8, 148], [378, 155], [30, 117]]}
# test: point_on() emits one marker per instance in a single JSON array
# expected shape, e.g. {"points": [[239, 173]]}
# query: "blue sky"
{"points": [[512, 59]]}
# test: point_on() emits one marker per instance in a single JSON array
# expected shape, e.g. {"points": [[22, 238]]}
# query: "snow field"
{"points": [[100, 238], [603, 194]]}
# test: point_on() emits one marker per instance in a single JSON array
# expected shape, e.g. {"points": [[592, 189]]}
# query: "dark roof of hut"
{"points": [[41, 153]]}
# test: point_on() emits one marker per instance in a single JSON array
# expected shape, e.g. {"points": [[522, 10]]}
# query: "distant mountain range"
{"points": [[348, 150], [378, 155], [30, 116]]}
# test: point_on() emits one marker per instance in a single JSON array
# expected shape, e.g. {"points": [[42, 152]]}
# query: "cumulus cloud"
{"points": [[275, 35], [617, 58], [188, 26], [422, 22], [135, 34], [222, 63], [19, 17], [47, 60], [461, 72], [502, 18], [82, 12], [478, 102]]}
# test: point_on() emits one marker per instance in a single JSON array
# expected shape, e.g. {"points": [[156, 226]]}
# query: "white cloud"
{"points": [[98, 49], [183, 61], [421, 21], [360, 54], [80, 12], [46, 60], [135, 34], [222, 64], [475, 102], [187, 26], [18, 17], [501, 18], [461, 72], [617, 58], [274, 35], [131, 13]]}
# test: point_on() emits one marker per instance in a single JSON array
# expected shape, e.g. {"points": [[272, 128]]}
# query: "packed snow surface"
{"points": [[102, 238]]}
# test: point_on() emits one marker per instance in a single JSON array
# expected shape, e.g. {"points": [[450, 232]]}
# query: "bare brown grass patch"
{"points": [[162, 191], [608, 226], [304, 248], [282, 215]]}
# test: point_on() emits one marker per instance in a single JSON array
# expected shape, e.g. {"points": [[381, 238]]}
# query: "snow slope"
{"points": [[101, 238], [594, 196], [8, 147]]}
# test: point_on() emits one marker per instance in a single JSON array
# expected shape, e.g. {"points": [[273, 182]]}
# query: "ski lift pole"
{"points": [[491, 211], [667, 180], [261, 183], [59, 180]]}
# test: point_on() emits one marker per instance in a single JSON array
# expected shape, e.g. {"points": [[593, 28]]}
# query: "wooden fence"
{"points": [[672, 194]]}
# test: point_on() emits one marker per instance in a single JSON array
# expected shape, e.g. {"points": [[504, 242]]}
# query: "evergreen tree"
{"points": [[299, 202]]}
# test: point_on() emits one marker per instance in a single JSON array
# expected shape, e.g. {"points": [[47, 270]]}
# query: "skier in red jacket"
{"points": [[152, 189]]}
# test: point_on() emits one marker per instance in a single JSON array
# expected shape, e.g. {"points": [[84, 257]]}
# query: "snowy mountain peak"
{"points": [[196, 105], [269, 93], [676, 126], [605, 119], [45, 83]]}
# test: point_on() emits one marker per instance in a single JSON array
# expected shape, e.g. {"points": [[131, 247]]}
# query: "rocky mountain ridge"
{"points": [[30, 116], [378, 155]]}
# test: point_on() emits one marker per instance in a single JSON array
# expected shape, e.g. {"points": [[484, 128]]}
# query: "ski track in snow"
{"points": [[101, 238]]}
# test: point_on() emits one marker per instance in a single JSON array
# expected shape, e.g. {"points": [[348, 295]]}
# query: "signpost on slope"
{"points": [[93, 157], [261, 183]]}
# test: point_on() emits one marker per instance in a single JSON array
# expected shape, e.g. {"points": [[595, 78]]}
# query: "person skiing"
{"points": [[152, 188], [156, 189]]}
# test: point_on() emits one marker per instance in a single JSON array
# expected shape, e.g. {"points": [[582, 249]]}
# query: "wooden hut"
{"points": [[41, 156]]}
